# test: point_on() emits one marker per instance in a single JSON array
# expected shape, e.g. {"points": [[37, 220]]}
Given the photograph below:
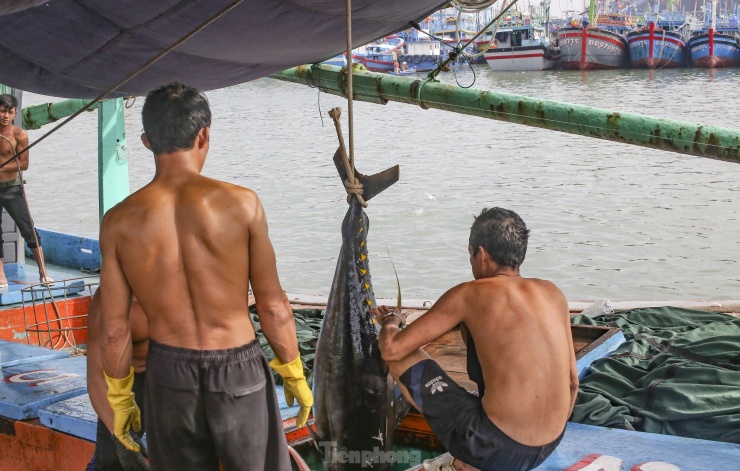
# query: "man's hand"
{"points": [[132, 460], [384, 315], [126, 414], [296, 387]]}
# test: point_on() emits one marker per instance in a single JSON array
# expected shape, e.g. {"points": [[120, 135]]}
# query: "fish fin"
{"points": [[398, 283], [372, 184]]}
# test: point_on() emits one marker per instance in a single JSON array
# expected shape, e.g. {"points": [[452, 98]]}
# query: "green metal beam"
{"points": [[38, 115], [112, 159], [658, 133]]}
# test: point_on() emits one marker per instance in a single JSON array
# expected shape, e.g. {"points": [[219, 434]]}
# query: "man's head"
{"points": [[173, 116], [8, 109], [502, 234]]}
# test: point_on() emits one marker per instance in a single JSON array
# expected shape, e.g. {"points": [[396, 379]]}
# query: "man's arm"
{"points": [[446, 313], [115, 342], [574, 382], [96, 387], [273, 307]]}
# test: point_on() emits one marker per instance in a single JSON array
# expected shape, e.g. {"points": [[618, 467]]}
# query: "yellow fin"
{"points": [[363, 271], [363, 257]]}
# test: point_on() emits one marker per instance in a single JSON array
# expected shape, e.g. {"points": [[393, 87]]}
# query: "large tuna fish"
{"points": [[354, 414]]}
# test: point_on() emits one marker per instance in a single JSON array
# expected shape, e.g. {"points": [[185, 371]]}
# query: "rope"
{"points": [[131, 75], [473, 6], [351, 184]]}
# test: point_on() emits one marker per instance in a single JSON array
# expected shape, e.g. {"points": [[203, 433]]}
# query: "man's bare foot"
{"points": [[46, 280], [3, 282]]}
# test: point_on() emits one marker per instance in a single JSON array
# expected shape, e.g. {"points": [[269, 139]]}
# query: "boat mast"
{"points": [[714, 15], [591, 12]]}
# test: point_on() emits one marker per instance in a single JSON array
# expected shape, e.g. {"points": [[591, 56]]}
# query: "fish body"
{"points": [[354, 415]]}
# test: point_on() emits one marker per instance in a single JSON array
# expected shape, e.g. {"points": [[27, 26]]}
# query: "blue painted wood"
{"points": [[583, 365], [69, 250], [14, 353], [634, 448], [28, 387], [285, 411], [74, 416]]}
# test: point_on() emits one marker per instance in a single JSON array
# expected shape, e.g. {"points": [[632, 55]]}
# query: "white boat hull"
{"points": [[518, 59]]}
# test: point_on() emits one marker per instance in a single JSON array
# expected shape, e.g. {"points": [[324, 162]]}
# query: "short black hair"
{"points": [[503, 234], [173, 115], [8, 102]]}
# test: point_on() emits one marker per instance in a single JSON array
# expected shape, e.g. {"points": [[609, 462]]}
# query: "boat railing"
{"points": [[50, 319]]}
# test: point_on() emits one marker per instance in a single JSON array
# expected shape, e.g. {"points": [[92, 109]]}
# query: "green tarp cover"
{"points": [[677, 374], [307, 326]]}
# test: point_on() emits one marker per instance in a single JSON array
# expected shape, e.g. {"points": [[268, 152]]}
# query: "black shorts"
{"points": [[209, 406], [13, 201], [459, 421], [105, 457]]}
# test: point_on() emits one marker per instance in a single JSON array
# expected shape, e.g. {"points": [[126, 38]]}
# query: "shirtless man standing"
{"points": [[524, 363], [14, 139], [110, 454], [188, 248]]}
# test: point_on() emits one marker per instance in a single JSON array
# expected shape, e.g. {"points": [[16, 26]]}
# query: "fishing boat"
{"points": [[520, 43], [662, 43], [420, 50], [718, 43], [603, 46], [46, 421], [379, 56]]}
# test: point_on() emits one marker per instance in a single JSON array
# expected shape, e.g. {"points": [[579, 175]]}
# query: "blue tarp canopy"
{"points": [[80, 48]]}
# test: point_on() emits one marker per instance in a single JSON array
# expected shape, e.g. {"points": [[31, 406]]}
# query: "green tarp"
{"points": [[307, 326], [677, 374]]}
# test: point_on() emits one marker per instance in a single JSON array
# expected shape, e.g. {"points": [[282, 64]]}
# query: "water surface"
{"points": [[606, 219]]}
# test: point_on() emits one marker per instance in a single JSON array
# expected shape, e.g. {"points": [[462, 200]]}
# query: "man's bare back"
{"points": [[528, 371], [191, 273]]}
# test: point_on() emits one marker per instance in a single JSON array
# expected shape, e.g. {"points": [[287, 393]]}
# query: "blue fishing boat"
{"points": [[718, 43], [662, 43]]}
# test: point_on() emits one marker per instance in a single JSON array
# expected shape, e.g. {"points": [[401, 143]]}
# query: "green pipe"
{"points": [[36, 116], [658, 133]]}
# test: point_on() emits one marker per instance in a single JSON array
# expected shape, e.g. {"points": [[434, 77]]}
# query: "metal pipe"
{"points": [[38, 115], [658, 133]]}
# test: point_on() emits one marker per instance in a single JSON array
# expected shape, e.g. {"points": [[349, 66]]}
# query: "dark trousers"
{"points": [[105, 457], [13, 201], [209, 406]]}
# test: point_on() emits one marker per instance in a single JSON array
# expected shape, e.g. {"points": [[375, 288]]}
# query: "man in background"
{"points": [[12, 197]]}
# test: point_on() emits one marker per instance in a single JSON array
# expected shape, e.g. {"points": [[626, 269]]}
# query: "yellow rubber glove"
{"points": [[296, 387], [126, 414]]}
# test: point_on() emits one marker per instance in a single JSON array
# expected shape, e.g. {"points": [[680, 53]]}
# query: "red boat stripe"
{"points": [[658, 38], [591, 36]]}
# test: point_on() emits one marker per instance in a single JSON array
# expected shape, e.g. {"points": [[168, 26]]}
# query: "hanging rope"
{"points": [[351, 184]]}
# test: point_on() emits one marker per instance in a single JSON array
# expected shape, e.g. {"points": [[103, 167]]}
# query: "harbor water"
{"points": [[607, 220]]}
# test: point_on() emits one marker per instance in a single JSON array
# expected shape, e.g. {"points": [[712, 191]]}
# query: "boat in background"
{"points": [[718, 43], [663, 42], [602, 46], [419, 50], [521, 42], [340, 60], [379, 56], [409, 71]]}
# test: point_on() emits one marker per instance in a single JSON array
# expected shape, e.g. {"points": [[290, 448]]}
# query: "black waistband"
{"points": [[15, 182], [227, 355]]}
